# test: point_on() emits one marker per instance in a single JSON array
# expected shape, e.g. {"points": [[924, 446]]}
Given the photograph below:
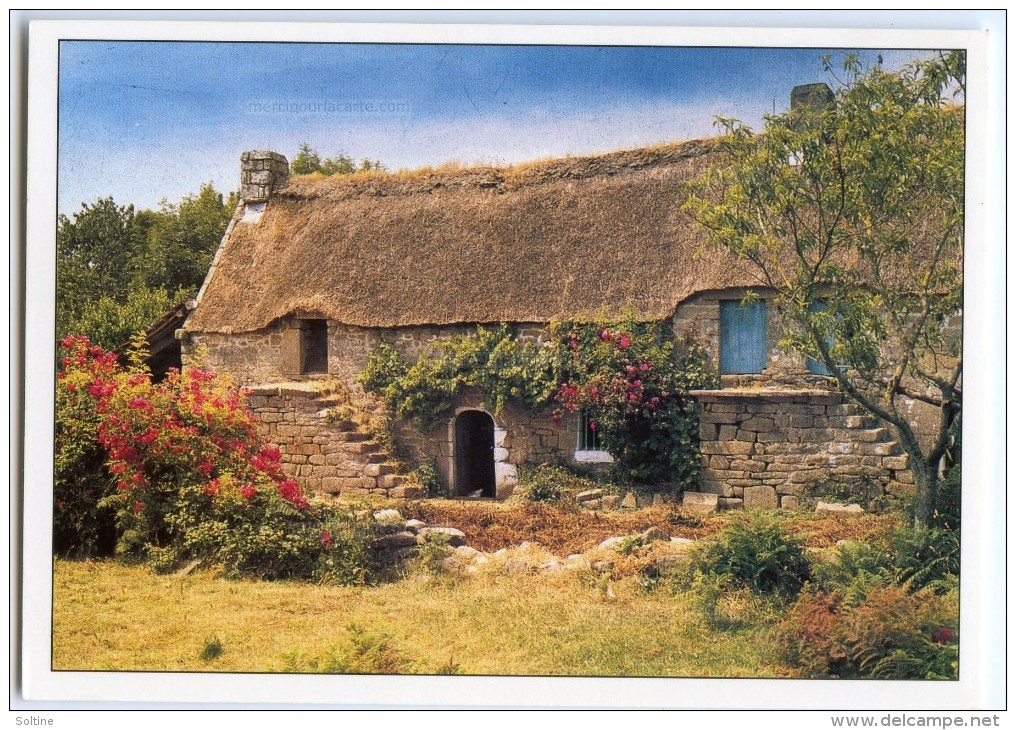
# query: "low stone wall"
{"points": [[766, 449], [323, 454]]}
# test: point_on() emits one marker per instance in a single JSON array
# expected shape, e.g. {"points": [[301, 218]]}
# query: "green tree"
{"points": [[853, 215], [110, 322], [96, 257], [119, 269], [308, 160], [182, 239]]}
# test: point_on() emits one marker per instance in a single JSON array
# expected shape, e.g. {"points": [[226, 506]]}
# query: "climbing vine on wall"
{"points": [[630, 377]]}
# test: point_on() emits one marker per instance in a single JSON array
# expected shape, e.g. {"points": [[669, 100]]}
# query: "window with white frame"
{"points": [[588, 447]]}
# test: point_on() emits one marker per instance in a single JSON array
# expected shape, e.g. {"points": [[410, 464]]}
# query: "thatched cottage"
{"points": [[313, 271]]}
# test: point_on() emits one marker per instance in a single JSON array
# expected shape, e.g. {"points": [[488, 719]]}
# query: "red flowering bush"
{"points": [[176, 469], [625, 375], [82, 522]]}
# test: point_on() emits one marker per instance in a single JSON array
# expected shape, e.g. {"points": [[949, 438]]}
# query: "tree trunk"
{"points": [[926, 478]]}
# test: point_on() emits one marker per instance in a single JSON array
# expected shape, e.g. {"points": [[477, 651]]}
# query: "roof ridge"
{"points": [[496, 178]]}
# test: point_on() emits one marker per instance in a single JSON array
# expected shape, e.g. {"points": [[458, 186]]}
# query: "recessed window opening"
{"points": [[314, 343], [589, 434]]}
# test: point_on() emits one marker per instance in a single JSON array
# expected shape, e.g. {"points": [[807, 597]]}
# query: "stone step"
{"points": [[330, 400], [361, 447], [349, 436], [868, 435], [344, 425], [390, 481], [380, 469]]}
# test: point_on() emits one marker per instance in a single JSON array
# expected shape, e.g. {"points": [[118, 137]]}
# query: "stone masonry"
{"points": [[765, 448], [261, 172], [325, 454]]}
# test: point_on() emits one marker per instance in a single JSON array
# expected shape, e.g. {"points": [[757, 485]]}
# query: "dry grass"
{"points": [[490, 526], [113, 617]]}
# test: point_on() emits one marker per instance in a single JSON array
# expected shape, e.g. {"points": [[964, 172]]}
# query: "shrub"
{"points": [[255, 534], [426, 474], [180, 471], [544, 483], [892, 634], [212, 649], [855, 568], [627, 377], [726, 605], [948, 501], [925, 556], [862, 490], [347, 556], [82, 523], [757, 554], [370, 651], [433, 551]]}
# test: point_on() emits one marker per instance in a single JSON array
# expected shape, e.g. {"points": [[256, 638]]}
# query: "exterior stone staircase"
{"points": [[322, 446]]}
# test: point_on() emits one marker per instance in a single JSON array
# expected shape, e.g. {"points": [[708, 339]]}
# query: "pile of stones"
{"points": [[402, 538]]}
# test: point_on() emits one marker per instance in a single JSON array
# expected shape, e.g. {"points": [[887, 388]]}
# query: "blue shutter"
{"points": [[742, 337], [817, 367]]}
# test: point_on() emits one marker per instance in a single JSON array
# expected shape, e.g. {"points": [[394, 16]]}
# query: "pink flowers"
{"points": [[248, 492], [326, 539], [140, 404], [101, 389], [943, 635], [289, 490], [624, 342]]}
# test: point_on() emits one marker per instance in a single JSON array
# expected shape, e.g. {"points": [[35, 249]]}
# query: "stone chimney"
{"points": [[261, 172], [812, 98]]}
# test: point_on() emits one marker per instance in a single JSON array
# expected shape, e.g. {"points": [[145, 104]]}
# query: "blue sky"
{"points": [[145, 121]]}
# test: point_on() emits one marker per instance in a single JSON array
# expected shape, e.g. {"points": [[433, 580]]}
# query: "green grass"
{"points": [[116, 617]]}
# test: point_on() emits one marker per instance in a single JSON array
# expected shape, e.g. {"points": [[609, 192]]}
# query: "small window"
{"points": [[742, 337], [314, 346], [589, 447], [589, 437]]}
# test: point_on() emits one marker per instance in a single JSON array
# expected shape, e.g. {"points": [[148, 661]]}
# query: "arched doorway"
{"points": [[474, 455]]}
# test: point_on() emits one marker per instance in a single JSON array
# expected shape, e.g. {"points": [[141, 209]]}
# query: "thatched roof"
{"points": [[529, 243]]}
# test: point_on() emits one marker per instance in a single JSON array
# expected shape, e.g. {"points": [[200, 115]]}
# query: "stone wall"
{"points": [[760, 446], [249, 357], [766, 449], [325, 454], [263, 356]]}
